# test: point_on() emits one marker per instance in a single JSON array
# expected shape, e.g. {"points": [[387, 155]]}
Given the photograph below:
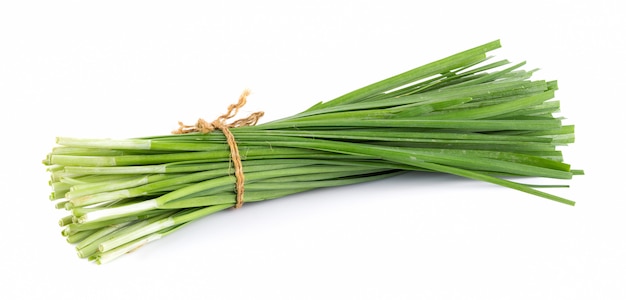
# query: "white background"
{"points": [[135, 68]]}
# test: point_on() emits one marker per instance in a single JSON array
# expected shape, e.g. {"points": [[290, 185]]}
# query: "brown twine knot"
{"points": [[203, 126], [220, 123]]}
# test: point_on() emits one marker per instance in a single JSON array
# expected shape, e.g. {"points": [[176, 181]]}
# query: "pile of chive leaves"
{"points": [[464, 115]]}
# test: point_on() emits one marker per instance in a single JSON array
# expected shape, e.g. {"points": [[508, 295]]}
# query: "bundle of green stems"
{"points": [[464, 115]]}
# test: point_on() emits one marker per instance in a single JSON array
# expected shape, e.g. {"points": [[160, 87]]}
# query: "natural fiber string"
{"points": [[203, 126]]}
